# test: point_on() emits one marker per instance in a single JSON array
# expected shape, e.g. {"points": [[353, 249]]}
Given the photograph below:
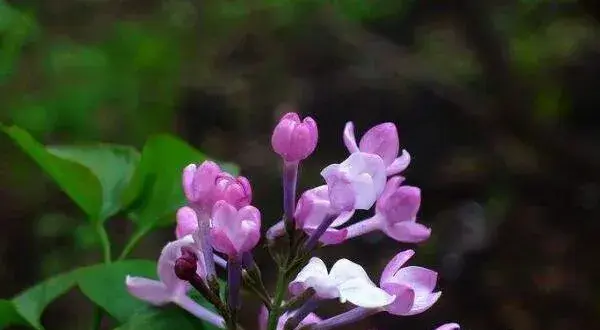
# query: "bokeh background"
{"points": [[496, 100]]}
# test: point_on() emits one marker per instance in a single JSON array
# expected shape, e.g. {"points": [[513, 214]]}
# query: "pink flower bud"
{"points": [[199, 182], [235, 191], [233, 231], [294, 140]]}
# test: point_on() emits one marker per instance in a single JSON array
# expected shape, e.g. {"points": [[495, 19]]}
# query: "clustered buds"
{"points": [[219, 225]]}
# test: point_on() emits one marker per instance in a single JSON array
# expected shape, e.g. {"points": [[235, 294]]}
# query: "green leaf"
{"points": [[9, 314], [164, 318], [94, 177], [155, 191], [31, 303], [112, 165], [104, 284]]}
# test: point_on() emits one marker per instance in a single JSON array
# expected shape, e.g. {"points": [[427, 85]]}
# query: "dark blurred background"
{"points": [[495, 100]]}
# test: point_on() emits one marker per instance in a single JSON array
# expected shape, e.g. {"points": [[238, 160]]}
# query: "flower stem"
{"points": [[275, 312], [290, 177], [234, 279], [133, 240], [363, 227], [354, 315]]}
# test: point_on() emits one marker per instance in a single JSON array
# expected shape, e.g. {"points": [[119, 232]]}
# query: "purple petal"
{"points": [[399, 164], [331, 236], [394, 265], [153, 292], [349, 139], [166, 262], [187, 222], [405, 297], [424, 302], [407, 232], [221, 242], [419, 278], [448, 326], [381, 140]]}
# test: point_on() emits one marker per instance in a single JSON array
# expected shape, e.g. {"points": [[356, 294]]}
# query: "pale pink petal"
{"points": [[423, 302], [188, 180], [249, 213], [349, 139], [225, 218], [407, 232], [448, 326], [166, 262], [187, 222], [381, 140], [399, 164], [153, 292], [394, 265], [422, 280], [250, 238], [404, 298]]}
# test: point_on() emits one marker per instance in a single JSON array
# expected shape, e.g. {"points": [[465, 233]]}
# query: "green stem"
{"points": [[105, 242], [279, 293], [106, 254], [133, 240]]}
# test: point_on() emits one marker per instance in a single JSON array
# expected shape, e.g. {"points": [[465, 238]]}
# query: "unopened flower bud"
{"points": [[294, 140]]}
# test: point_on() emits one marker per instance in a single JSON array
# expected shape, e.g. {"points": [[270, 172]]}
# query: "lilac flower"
{"points": [[169, 288], [412, 286], [263, 316], [395, 214], [206, 184], [233, 231], [294, 140], [312, 209], [381, 140], [356, 183], [449, 326], [347, 281]]}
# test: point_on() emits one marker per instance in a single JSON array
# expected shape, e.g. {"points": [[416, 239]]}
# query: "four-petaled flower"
{"points": [[381, 140], [233, 231], [356, 183], [412, 286]]}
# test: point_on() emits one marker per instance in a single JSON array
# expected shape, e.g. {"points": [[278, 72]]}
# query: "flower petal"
{"points": [[349, 139], [344, 270], [365, 194], [424, 302], [419, 278], [166, 262], [381, 140], [404, 298], [187, 222], [394, 265], [222, 243], [399, 164], [342, 218], [331, 236], [315, 268], [449, 326], [154, 292], [408, 232], [364, 294]]}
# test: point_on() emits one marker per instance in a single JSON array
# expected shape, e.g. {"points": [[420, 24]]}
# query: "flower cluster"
{"points": [[220, 226]]}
